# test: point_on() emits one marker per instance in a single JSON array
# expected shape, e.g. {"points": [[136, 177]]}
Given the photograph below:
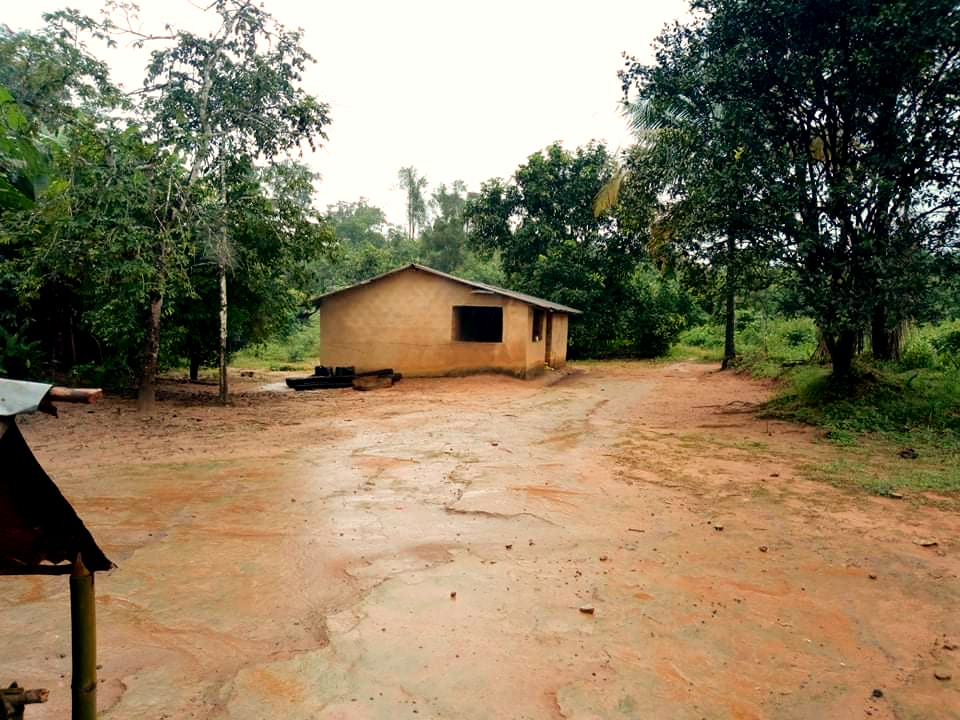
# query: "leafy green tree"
{"points": [[82, 251], [711, 202], [275, 234], [358, 222], [552, 245], [445, 241], [226, 100], [121, 231], [850, 125], [366, 245], [414, 185], [88, 259], [52, 73]]}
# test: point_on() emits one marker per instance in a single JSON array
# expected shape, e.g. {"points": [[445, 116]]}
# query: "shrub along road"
{"points": [[627, 542]]}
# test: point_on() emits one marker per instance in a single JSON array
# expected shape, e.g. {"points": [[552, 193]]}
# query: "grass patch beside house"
{"points": [[298, 350]]}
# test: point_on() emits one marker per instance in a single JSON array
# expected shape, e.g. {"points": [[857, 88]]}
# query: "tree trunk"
{"points": [[147, 392], [194, 369], [842, 348], [885, 342], [730, 320], [223, 334]]}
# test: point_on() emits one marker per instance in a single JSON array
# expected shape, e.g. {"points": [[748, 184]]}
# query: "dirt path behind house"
{"points": [[427, 551]]}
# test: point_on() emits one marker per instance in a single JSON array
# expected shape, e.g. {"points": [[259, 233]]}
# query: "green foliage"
{"points": [[839, 121], [234, 94], [18, 355], [552, 245], [296, 348], [766, 344], [103, 231], [273, 236], [368, 246], [874, 412], [918, 353], [414, 185], [945, 340], [444, 243]]}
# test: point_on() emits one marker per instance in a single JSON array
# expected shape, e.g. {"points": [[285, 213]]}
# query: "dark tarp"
{"points": [[37, 524]]}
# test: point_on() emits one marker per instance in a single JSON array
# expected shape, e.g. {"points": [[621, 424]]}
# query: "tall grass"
{"points": [[297, 350], [764, 344]]}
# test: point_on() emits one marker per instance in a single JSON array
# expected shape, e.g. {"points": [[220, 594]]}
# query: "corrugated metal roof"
{"points": [[21, 396], [522, 297]]}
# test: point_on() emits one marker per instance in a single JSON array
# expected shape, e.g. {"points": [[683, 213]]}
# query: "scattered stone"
{"points": [[895, 495], [763, 548], [872, 576], [587, 609], [942, 674], [509, 547], [453, 594], [878, 693], [908, 454], [949, 646], [718, 527], [494, 443], [603, 558], [530, 543], [926, 542]]}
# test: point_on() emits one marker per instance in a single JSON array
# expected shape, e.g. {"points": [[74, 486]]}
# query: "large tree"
{"points": [[849, 122], [276, 235], [697, 157], [97, 225], [132, 210], [413, 184], [552, 245], [445, 241], [228, 99]]}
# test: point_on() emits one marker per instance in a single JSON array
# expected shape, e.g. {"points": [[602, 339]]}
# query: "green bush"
{"points": [[918, 353], [764, 345], [945, 339], [702, 336]]}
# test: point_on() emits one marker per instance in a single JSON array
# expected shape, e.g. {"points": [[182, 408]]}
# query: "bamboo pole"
{"points": [[83, 630]]}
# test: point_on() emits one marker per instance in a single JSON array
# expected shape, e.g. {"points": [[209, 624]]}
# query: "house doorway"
{"points": [[548, 339]]}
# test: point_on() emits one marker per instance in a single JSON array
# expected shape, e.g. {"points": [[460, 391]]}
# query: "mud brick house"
{"points": [[420, 321]]}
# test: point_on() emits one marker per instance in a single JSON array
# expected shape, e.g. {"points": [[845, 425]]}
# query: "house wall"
{"points": [[405, 322], [537, 350]]}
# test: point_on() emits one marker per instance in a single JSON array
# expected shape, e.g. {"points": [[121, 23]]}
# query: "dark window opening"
{"points": [[537, 334], [472, 323]]}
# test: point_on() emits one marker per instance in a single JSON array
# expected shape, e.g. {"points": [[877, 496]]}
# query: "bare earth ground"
{"points": [[424, 552]]}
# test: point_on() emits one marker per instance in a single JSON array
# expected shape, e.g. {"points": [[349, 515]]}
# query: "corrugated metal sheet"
{"points": [[21, 396], [522, 297]]}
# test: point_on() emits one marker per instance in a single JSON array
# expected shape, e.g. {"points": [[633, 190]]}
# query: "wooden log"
{"points": [[372, 382], [15, 697], [85, 396], [83, 634]]}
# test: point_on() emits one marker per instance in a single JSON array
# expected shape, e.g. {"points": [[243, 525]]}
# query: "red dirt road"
{"points": [[425, 552]]}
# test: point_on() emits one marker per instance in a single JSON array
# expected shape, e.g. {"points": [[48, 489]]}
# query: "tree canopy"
{"points": [[552, 245], [843, 116], [113, 222]]}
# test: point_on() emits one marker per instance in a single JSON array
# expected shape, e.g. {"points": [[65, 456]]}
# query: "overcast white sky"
{"points": [[462, 91]]}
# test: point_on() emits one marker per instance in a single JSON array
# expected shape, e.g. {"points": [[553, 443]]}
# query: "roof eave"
{"points": [[503, 292]]}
